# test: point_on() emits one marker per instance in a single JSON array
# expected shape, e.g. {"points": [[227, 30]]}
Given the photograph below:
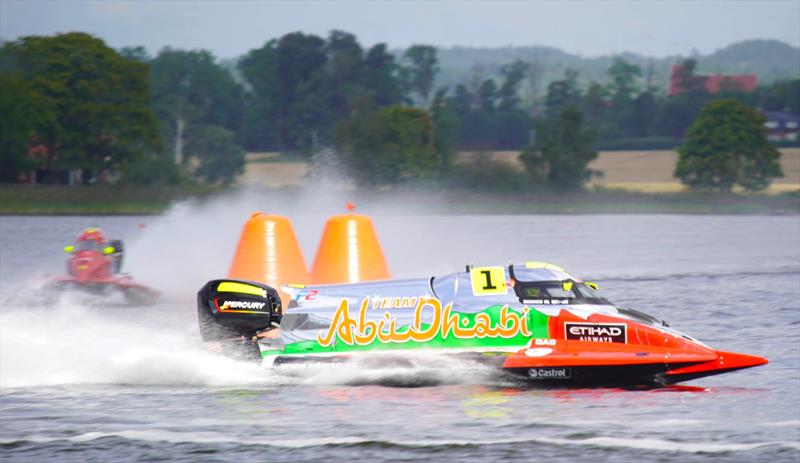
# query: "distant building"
{"points": [[52, 176], [681, 81], [782, 126]]}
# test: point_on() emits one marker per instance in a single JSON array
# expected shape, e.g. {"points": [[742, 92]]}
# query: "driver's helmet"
{"points": [[91, 234]]}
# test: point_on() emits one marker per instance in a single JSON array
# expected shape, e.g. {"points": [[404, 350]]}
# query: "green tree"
{"points": [[190, 91], [624, 79], [387, 146], [594, 104], [300, 86], [135, 53], [487, 96], [21, 112], [562, 93], [94, 102], [445, 124], [259, 68], [152, 169], [727, 145], [221, 159], [491, 118], [782, 96], [624, 82], [677, 112], [513, 75], [512, 129], [471, 126], [596, 109], [645, 112], [290, 90], [382, 77], [462, 100], [346, 68], [562, 151], [423, 69]]}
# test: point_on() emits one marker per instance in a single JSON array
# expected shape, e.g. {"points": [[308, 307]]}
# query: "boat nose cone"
{"points": [[725, 362], [735, 360]]}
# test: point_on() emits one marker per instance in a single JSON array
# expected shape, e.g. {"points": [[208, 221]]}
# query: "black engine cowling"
{"points": [[228, 309]]}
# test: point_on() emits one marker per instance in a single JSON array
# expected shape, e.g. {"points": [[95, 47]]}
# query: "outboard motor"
{"points": [[116, 256], [230, 309]]}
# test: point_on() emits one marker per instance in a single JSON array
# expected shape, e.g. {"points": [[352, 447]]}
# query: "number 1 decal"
{"points": [[488, 276], [487, 281]]}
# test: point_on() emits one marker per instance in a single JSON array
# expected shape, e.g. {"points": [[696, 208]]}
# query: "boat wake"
{"points": [[71, 342]]}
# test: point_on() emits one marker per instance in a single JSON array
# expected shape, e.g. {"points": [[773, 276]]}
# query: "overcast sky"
{"points": [[587, 27]]}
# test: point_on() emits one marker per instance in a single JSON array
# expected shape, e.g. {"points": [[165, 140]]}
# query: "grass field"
{"points": [[636, 171], [634, 182], [274, 174], [94, 199], [651, 171], [101, 199]]}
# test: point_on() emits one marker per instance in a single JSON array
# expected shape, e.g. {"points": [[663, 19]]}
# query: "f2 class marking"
{"points": [[488, 281]]}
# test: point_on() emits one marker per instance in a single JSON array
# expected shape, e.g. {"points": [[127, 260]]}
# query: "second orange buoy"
{"points": [[349, 251]]}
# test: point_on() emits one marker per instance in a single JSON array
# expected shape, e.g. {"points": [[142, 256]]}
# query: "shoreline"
{"points": [[17, 200]]}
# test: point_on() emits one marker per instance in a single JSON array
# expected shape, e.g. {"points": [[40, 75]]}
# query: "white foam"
{"points": [[670, 446], [71, 344], [658, 445], [781, 424], [400, 368]]}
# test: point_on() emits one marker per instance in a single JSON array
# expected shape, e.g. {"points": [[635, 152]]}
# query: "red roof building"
{"points": [[681, 81]]}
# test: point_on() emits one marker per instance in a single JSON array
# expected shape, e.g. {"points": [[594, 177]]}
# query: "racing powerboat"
{"points": [[534, 321], [95, 264]]}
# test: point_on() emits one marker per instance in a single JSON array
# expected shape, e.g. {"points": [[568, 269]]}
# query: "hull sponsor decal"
{"points": [[394, 302], [242, 305], [596, 332], [549, 373], [538, 352], [546, 301], [443, 324]]}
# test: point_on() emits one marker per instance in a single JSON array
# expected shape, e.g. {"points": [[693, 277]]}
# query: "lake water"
{"points": [[89, 380]]}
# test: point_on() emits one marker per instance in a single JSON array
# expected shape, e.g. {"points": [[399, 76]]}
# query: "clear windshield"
{"points": [[577, 293], [587, 291], [88, 245], [555, 290]]}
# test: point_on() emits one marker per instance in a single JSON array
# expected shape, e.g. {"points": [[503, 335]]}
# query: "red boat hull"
{"points": [[649, 354]]}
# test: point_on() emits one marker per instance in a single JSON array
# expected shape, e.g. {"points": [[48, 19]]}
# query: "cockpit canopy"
{"points": [[532, 283], [473, 290], [558, 292], [529, 283]]}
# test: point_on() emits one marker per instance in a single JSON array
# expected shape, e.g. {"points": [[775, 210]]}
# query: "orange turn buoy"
{"points": [[349, 251], [268, 252]]}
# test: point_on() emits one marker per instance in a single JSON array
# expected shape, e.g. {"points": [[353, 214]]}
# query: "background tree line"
{"points": [[771, 60], [69, 101]]}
